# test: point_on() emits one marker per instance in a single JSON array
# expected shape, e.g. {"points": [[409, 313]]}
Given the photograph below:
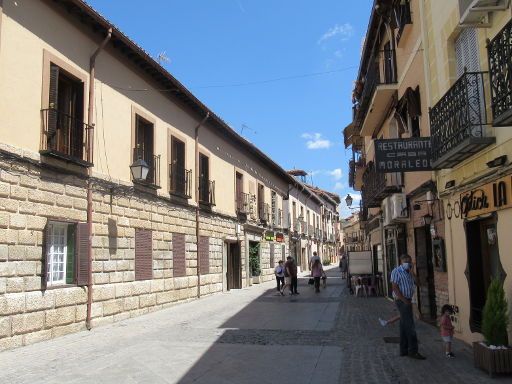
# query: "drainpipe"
{"points": [[90, 114], [197, 200]]}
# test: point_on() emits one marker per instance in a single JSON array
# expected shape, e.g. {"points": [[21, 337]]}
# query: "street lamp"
{"points": [[427, 219], [139, 170], [349, 200]]}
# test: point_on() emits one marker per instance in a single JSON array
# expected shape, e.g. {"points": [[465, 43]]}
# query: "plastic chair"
{"points": [[373, 286], [358, 284]]}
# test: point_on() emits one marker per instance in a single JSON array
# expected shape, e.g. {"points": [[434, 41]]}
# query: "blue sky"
{"points": [[280, 72]]}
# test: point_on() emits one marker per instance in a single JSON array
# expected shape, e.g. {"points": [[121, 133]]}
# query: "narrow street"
{"points": [[246, 336]]}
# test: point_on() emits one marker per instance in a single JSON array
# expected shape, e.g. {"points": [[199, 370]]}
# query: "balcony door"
{"points": [[178, 182], [467, 60], [261, 202], [144, 145], [239, 190], [204, 178]]}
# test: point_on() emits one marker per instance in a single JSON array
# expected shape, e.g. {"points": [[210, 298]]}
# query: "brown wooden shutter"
{"points": [[204, 255], [283, 252], [53, 98], [143, 254], [272, 252], [178, 255], [82, 260], [44, 259]]}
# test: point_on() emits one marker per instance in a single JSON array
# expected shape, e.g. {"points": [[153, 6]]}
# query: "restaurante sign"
{"points": [[403, 155], [488, 198]]}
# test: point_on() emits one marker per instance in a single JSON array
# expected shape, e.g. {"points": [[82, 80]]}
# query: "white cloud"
{"points": [[316, 141], [337, 174], [343, 31], [339, 186]]}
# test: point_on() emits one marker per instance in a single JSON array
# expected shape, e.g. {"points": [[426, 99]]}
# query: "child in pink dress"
{"points": [[447, 329]]}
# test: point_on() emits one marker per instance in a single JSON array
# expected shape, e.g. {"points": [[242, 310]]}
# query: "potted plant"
{"points": [[494, 355], [254, 263]]}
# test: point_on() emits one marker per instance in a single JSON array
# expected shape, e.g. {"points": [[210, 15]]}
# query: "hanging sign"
{"points": [[279, 237], [488, 198], [403, 155], [269, 236]]}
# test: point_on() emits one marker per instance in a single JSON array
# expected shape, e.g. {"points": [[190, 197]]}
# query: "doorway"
{"points": [[234, 267], [425, 273], [482, 266]]}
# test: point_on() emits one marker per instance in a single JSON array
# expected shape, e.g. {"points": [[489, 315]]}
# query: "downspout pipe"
{"points": [[90, 115], [196, 170]]}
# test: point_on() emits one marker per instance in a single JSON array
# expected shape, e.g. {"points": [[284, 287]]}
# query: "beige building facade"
{"points": [[84, 239], [467, 58]]}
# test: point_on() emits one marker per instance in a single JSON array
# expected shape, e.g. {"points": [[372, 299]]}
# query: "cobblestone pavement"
{"points": [[246, 336]]}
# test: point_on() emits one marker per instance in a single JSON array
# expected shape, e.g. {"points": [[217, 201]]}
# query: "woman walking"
{"points": [[316, 272], [279, 272]]}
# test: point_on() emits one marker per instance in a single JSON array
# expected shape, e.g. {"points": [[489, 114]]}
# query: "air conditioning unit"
{"points": [[386, 211], [399, 211]]}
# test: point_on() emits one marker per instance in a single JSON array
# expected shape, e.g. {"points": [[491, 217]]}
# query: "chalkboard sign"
{"points": [[403, 155]]}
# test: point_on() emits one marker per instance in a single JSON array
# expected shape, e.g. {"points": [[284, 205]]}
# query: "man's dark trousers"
{"points": [[408, 338], [293, 287], [280, 282]]}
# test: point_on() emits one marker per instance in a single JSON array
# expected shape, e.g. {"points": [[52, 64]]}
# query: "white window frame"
{"points": [[51, 254]]}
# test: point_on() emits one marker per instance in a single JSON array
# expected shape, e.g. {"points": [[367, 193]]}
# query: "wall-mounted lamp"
{"points": [[139, 170], [427, 219], [449, 184], [497, 162]]}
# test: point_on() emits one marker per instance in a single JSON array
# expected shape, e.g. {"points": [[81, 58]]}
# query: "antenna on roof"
{"points": [[163, 58]]}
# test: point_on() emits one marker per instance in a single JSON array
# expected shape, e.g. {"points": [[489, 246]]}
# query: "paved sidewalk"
{"points": [[246, 336]]}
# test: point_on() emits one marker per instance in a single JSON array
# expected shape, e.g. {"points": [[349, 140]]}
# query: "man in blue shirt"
{"points": [[404, 284]]}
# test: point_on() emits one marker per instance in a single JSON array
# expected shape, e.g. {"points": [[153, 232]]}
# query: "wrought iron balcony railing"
{"points": [[206, 192], [376, 186], [458, 122], [66, 137], [153, 162], [279, 218], [180, 181], [244, 203], [500, 71]]}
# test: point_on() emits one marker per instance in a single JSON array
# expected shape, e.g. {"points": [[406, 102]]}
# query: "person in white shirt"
{"points": [[279, 272], [314, 258]]}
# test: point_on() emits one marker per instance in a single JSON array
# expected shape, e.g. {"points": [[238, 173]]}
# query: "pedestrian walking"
{"points": [[279, 272], [314, 258], [343, 267], [291, 269], [404, 285], [287, 276], [447, 329], [316, 272]]}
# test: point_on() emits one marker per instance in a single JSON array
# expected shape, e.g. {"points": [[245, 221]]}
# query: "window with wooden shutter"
{"points": [[179, 255], [143, 254], [204, 255], [283, 252], [272, 255], [82, 245]]}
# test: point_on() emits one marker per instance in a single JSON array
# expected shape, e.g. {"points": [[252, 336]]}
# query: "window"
{"points": [[242, 203], [143, 254], [180, 178], [66, 260], [389, 64], [273, 206], [294, 215], [64, 131], [262, 207]]}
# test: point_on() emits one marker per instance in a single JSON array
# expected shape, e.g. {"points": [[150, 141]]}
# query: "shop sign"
{"points": [[488, 198], [403, 155], [269, 236], [280, 237]]}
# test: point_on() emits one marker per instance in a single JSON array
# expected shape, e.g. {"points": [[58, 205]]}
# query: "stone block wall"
{"points": [[30, 196]]}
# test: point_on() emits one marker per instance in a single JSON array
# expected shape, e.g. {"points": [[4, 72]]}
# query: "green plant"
{"points": [[254, 259], [326, 262], [495, 315]]}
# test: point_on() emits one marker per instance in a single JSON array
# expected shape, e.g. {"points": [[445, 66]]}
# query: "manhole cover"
{"points": [[392, 340]]}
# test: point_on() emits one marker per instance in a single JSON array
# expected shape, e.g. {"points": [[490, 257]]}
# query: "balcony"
{"points": [[180, 181], [499, 51], [311, 231], [458, 122], [66, 137], [355, 173], [245, 203], [264, 213], [402, 13], [206, 192], [376, 186], [153, 162], [380, 85]]}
